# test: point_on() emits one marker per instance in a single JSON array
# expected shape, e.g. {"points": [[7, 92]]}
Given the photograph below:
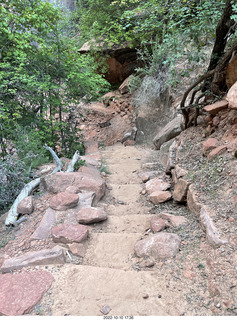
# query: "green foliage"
{"points": [[41, 73]]}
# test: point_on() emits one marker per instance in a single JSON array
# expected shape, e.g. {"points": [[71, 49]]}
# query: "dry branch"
{"points": [[74, 160]]}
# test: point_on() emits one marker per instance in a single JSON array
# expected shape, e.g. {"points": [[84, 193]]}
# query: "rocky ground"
{"points": [[103, 274]]}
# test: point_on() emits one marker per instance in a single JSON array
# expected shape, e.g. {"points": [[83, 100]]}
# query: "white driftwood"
{"points": [[56, 158], [12, 213], [72, 163]]}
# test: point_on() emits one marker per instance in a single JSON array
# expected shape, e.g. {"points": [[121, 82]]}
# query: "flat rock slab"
{"points": [[209, 144], [63, 201], [42, 257], [69, 233], [175, 220], [156, 184], [44, 229], [216, 107], [159, 246], [19, 293], [145, 176], [91, 215], [216, 152], [60, 181]]}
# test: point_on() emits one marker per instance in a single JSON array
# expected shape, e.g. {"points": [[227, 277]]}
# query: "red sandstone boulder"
{"points": [[60, 181], [91, 215], [26, 206], [160, 197], [69, 233], [20, 292], [159, 246], [64, 200]]}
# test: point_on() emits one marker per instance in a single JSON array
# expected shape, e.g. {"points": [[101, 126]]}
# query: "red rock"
{"points": [[145, 176], [216, 152], [180, 190], [59, 181], [159, 246], [160, 197], [157, 224], [192, 200], [26, 206], [216, 107], [77, 249], [44, 229], [232, 96], [90, 161], [68, 233], [156, 184], [91, 147], [228, 303], [216, 121], [129, 143], [19, 293], [91, 215], [64, 200], [73, 189], [89, 170], [209, 145], [42, 257], [124, 88], [175, 220]]}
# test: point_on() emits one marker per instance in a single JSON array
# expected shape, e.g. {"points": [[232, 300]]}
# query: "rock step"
{"points": [[111, 250], [126, 192], [126, 293], [128, 208], [135, 223]]}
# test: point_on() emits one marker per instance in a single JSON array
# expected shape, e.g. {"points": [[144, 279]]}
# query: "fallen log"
{"points": [[29, 187]]}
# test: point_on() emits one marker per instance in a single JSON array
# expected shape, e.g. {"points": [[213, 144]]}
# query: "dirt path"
{"points": [[112, 276]]}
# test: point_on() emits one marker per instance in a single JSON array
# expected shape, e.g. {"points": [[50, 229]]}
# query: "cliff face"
{"points": [[68, 4]]}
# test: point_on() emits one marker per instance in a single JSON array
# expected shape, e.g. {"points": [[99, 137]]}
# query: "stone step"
{"points": [[126, 192], [125, 293], [136, 223], [128, 208], [111, 250]]}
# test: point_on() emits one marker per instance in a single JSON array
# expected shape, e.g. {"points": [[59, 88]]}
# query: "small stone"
{"points": [[160, 197], [180, 190], [106, 309], [68, 233], [143, 192], [157, 224], [26, 206], [145, 296], [77, 249], [156, 184], [228, 303], [63, 201], [91, 215]]}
